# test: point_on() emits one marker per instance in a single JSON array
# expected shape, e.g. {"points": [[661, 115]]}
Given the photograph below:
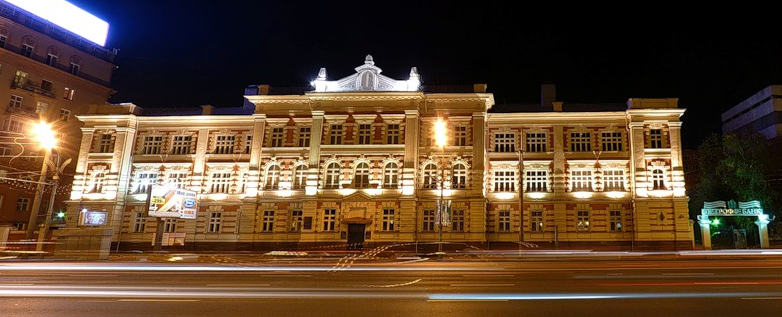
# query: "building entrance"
{"points": [[356, 236], [721, 209]]}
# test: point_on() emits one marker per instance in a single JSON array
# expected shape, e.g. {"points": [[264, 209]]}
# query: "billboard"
{"points": [[69, 17], [169, 202], [94, 218]]}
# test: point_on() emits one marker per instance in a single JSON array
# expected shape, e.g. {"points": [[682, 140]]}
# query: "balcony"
{"points": [[23, 111], [33, 87]]}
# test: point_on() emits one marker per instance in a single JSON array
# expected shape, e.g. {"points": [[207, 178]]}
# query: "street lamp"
{"points": [[440, 139], [45, 137]]}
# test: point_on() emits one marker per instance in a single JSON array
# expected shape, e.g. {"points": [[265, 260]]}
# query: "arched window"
{"points": [[361, 179], [300, 176], [273, 177], [459, 176], [430, 176], [658, 179], [391, 175], [332, 176]]}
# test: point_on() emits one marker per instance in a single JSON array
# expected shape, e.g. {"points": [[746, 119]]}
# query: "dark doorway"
{"points": [[356, 236]]}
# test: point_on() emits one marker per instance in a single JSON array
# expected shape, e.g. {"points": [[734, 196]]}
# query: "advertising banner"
{"points": [[94, 218], [168, 202]]}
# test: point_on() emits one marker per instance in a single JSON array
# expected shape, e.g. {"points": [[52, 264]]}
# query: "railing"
{"points": [[34, 87]]}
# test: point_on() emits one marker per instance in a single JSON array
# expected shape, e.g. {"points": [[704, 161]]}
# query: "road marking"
{"points": [[92, 275], [238, 285], [687, 274], [488, 275], [157, 300], [771, 298], [480, 285]]}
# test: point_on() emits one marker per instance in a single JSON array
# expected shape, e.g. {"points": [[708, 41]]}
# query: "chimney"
{"points": [[263, 89], [548, 93], [557, 105], [207, 109], [479, 88]]}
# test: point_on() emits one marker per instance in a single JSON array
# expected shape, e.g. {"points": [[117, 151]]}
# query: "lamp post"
{"points": [[440, 140], [521, 196], [57, 168], [45, 136]]}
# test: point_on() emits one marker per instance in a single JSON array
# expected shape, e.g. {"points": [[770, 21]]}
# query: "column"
{"points": [[410, 166]]}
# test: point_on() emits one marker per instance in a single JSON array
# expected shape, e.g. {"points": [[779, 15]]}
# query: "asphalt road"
{"points": [[351, 286]]}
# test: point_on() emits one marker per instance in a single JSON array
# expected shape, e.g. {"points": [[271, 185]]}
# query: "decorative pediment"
{"points": [[357, 196], [367, 78]]}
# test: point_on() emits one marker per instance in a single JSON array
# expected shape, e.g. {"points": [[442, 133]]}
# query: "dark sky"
{"points": [[188, 53]]}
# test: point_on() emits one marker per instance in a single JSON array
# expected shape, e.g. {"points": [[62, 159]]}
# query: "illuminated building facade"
{"points": [[355, 161], [47, 72]]}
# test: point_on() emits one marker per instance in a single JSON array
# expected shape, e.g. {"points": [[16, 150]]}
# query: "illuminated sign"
{"points": [[732, 212], [94, 218], [731, 208], [69, 17], [167, 202]]}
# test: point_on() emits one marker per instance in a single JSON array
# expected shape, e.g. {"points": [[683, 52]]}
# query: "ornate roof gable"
{"points": [[367, 78]]}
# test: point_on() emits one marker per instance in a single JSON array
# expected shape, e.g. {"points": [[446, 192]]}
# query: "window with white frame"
{"points": [[106, 143], [613, 180], [152, 145], [181, 144], [504, 181], [582, 221], [15, 102], [300, 176], [459, 176], [503, 221], [277, 137], [388, 219], [537, 180], [97, 181], [430, 176], [536, 221], [295, 220], [22, 204], [12, 125], [5, 150], [580, 142], [3, 40], [658, 179], [611, 141], [656, 138], [329, 219], [505, 142], [248, 144], [68, 93], [615, 221], [75, 68], [27, 50], [457, 220], [215, 222], [139, 222], [273, 177], [145, 180], [335, 134], [304, 136], [51, 59], [224, 144], [169, 224], [460, 136], [267, 222], [220, 183], [332, 175], [65, 115], [178, 179], [581, 180], [361, 178], [428, 220], [364, 134], [391, 175], [393, 133], [536, 142]]}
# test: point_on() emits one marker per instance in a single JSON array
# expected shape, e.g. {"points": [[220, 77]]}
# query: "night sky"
{"points": [[187, 53]]}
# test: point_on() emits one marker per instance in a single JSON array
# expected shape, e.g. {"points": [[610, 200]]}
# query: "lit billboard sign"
{"points": [[94, 218], [168, 202], [69, 17]]}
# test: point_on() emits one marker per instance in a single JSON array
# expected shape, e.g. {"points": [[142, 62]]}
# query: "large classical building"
{"points": [[358, 160], [47, 73]]}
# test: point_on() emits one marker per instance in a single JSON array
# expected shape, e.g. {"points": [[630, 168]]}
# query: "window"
{"points": [[300, 176], [392, 135], [295, 220], [181, 144], [51, 59], [504, 142], [97, 182], [457, 221], [536, 221], [47, 85], [14, 126], [388, 219], [613, 180], [277, 137], [364, 134], [332, 176], [20, 79], [215, 222], [580, 142], [656, 138], [361, 179], [273, 177], [68, 93], [27, 50], [335, 134], [611, 141], [5, 150], [3, 40], [15, 102], [169, 224], [391, 175], [145, 181], [615, 221], [536, 142], [428, 220], [504, 181], [581, 180], [582, 221], [65, 115], [430, 176], [460, 136], [224, 144], [504, 221], [75, 68], [329, 219], [221, 183], [22, 204], [178, 179], [152, 145], [658, 179], [106, 143], [537, 180], [248, 144], [459, 176], [139, 222], [304, 136]]}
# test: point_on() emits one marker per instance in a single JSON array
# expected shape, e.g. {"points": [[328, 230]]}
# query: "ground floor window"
{"points": [[582, 221], [429, 218], [504, 221], [536, 222]]}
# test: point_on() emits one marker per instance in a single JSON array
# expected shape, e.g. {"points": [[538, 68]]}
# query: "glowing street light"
{"points": [[47, 141], [440, 139]]}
